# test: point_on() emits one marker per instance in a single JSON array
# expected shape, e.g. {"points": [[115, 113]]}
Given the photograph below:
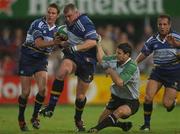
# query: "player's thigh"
{"points": [[151, 89], [104, 114], [25, 85], [41, 80], [66, 67], [81, 89], [169, 96]]}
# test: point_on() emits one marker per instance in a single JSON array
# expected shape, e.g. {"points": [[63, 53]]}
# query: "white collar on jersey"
{"points": [[159, 39], [50, 28], [125, 62]]}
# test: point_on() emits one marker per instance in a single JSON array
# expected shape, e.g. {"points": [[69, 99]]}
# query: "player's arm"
{"points": [[88, 44], [146, 51], [100, 53], [140, 58], [41, 43], [122, 78], [115, 77]]}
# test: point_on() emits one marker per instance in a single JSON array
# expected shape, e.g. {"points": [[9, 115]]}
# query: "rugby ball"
{"points": [[62, 32]]}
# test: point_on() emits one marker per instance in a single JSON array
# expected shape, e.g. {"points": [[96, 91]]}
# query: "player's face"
{"points": [[163, 26], [51, 16], [121, 56], [70, 16]]}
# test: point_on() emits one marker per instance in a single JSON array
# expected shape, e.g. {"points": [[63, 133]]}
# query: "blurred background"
{"points": [[117, 21]]}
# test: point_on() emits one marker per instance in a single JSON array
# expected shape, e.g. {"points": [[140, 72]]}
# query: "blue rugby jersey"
{"points": [[164, 54], [39, 29], [81, 30]]}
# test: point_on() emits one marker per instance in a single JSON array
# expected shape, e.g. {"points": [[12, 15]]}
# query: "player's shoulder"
{"points": [[39, 22], [131, 66], [152, 38], [175, 34], [131, 63], [84, 19]]}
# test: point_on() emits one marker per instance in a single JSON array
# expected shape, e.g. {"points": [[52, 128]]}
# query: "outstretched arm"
{"points": [[140, 58], [40, 43], [88, 44]]}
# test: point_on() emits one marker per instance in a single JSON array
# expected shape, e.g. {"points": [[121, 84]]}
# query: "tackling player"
{"points": [[124, 91]]}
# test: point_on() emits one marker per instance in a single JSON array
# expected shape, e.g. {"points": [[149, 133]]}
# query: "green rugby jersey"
{"points": [[129, 73]]}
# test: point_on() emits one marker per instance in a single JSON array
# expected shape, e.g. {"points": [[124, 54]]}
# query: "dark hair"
{"points": [[69, 6], [165, 16], [54, 5], [125, 47]]}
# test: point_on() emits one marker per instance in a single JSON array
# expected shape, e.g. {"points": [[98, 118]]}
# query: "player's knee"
{"points": [[61, 76], [42, 91], [81, 97], [25, 93], [167, 103]]}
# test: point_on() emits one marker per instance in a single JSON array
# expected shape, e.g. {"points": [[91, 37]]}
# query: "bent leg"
{"points": [[169, 98], [67, 67]]}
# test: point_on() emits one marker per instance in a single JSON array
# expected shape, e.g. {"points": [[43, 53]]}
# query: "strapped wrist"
{"points": [[75, 48]]}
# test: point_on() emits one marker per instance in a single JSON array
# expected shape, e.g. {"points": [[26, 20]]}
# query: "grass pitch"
{"points": [[62, 121]]}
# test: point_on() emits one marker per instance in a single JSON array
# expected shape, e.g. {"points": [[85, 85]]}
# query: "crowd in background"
{"points": [[12, 39]]}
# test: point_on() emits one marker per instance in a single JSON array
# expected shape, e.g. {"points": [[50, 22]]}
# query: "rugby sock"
{"points": [[107, 122], [22, 106], [56, 91], [38, 103], [147, 113], [119, 124], [79, 108]]}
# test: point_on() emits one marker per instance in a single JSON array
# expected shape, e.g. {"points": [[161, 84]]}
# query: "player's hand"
{"points": [[99, 39], [62, 37], [105, 65], [171, 40], [57, 41]]}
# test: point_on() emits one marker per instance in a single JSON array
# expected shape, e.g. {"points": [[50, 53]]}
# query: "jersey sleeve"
{"points": [[109, 58], [176, 36], [128, 72], [89, 29], [147, 48], [36, 30]]}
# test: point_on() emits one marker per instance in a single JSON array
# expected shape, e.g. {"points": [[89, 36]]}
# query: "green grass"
{"points": [[62, 121]]}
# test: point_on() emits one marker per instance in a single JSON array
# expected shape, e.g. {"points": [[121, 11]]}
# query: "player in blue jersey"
{"points": [[79, 58], [33, 62], [166, 71]]}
